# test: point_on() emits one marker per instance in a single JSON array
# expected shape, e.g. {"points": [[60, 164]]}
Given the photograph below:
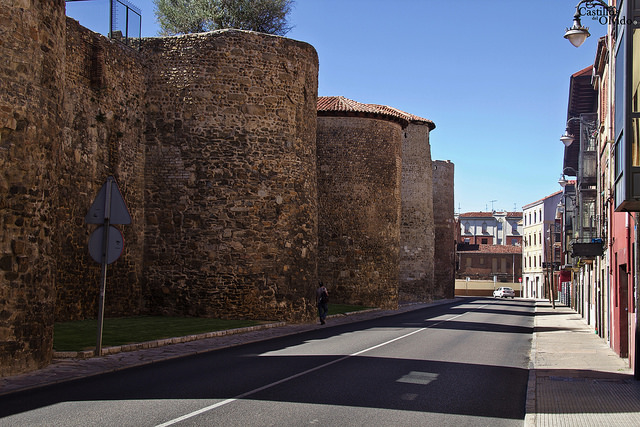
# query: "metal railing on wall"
{"points": [[125, 21]]}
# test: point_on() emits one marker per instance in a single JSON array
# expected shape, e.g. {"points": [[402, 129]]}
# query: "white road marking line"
{"points": [[257, 390]]}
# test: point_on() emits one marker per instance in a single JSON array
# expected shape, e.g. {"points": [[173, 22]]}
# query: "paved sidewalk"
{"points": [[575, 379]]}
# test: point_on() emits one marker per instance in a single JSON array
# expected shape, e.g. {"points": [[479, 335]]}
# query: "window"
{"points": [[485, 241], [534, 218], [484, 227]]}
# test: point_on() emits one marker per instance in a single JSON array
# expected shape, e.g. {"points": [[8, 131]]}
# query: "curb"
{"points": [[530, 419], [71, 368], [161, 343], [87, 354]]}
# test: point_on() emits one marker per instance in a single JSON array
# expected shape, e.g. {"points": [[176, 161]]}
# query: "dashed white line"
{"points": [[257, 390]]}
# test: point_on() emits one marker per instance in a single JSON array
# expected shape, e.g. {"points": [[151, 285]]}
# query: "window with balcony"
{"points": [[627, 112]]}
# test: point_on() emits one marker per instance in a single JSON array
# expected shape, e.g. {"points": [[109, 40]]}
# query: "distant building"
{"points": [[489, 246], [490, 228], [489, 262], [540, 243]]}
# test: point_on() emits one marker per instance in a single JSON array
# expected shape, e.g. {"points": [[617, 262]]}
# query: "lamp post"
{"points": [[577, 34]]}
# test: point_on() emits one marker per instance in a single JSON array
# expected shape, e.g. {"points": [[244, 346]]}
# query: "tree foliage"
{"points": [[195, 16]]}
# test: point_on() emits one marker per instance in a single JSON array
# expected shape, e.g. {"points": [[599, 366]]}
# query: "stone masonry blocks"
{"points": [[417, 228], [231, 163], [359, 161], [443, 218]]}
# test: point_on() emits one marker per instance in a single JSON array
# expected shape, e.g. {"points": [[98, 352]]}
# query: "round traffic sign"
{"points": [[115, 244]]}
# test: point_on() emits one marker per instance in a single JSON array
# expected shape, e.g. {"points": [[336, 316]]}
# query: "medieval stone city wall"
{"points": [[359, 171], [231, 209], [444, 222], [417, 227], [236, 211], [32, 49], [103, 126]]}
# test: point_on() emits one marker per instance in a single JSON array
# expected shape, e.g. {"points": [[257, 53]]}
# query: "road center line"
{"points": [[299, 374]]}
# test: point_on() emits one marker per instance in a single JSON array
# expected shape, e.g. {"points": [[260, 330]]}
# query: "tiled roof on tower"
{"points": [[341, 106]]}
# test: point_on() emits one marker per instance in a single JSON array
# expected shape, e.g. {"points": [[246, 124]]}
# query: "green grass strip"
{"points": [[81, 335]]}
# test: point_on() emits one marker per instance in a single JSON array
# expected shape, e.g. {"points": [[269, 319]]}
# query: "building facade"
{"points": [[489, 262], [490, 228], [539, 245], [600, 216]]}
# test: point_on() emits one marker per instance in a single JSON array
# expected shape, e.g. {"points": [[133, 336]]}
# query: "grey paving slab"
{"points": [[576, 379]]}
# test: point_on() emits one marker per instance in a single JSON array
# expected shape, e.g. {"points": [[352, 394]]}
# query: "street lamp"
{"points": [[577, 34], [563, 181], [567, 138]]}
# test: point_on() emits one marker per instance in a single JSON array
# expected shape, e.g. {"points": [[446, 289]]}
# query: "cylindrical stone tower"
{"points": [[359, 173], [231, 193], [444, 210], [32, 87], [417, 237]]}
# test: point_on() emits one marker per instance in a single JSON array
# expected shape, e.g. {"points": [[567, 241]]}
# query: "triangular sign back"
{"points": [[119, 214]]}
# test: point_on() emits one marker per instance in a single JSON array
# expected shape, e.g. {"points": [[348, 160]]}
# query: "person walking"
{"points": [[322, 301]]}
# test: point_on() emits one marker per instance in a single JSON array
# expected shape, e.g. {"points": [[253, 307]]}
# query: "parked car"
{"points": [[504, 292]]}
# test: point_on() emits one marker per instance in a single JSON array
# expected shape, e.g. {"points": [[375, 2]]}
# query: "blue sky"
{"points": [[493, 75]]}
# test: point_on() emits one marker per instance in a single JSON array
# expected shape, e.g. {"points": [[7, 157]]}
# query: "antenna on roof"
{"points": [[492, 201]]}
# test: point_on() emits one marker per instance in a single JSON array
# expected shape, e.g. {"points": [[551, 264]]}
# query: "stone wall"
{"points": [[103, 124], [236, 211], [32, 48], [444, 222], [231, 207], [212, 141], [416, 232], [359, 167]]}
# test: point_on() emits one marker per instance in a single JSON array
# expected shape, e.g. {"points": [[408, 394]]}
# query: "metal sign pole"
{"points": [[103, 275]]}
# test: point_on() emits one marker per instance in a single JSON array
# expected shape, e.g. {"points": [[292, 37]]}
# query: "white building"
{"points": [[491, 228], [539, 221]]}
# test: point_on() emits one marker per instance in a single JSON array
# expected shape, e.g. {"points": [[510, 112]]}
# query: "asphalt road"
{"points": [[452, 365]]}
